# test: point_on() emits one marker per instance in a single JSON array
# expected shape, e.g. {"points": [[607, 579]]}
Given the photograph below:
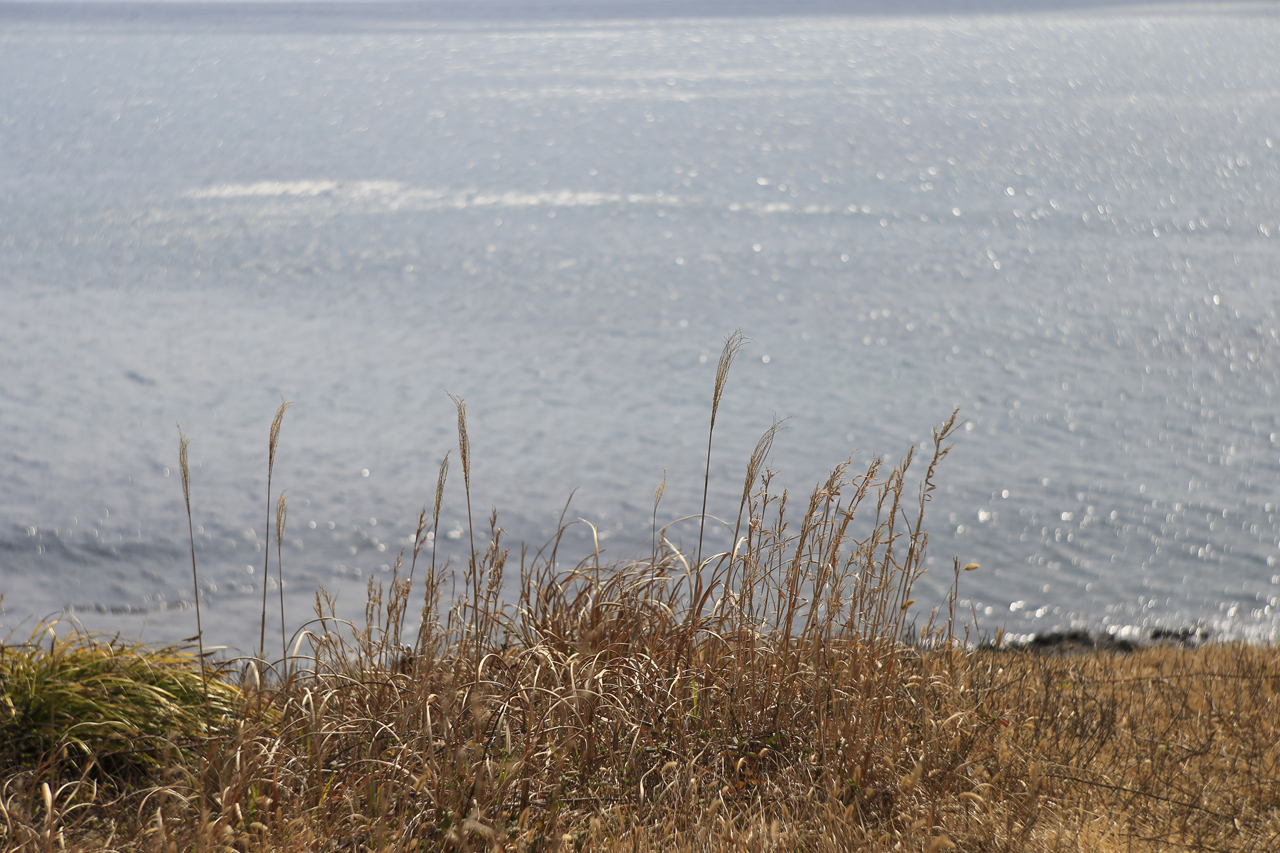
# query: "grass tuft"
{"points": [[91, 706]]}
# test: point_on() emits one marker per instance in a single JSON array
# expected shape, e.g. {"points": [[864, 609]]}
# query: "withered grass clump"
{"points": [[767, 700], [777, 696]]}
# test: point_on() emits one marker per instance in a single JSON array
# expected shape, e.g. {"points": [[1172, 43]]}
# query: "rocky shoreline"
{"points": [[1080, 642]]}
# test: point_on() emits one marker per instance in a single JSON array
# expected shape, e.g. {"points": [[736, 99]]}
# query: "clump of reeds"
{"points": [[780, 695]]}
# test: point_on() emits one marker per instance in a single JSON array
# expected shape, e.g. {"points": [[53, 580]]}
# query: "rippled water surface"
{"points": [[1066, 224]]}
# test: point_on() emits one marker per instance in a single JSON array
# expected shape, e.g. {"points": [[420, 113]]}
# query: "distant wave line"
{"points": [[395, 195]]}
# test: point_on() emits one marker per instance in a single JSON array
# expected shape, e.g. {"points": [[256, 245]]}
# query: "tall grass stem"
{"points": [[282, 515], [272, 443], [657, 499], [734, 342], [183, 441], [435, 513], [464, 451]]}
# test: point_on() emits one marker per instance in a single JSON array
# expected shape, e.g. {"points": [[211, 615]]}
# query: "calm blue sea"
{"points": [[1067, 223]]}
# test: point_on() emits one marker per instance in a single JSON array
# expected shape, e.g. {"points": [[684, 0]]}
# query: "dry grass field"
{"points": [[782, 696]]}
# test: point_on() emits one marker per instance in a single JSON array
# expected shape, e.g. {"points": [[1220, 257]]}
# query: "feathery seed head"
{"points": [[275, 432], [464, 444], [282, 513], [183, 441], [734, 342]]}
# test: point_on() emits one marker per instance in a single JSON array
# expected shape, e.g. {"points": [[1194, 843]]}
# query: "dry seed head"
{"points": [[464, 444], [908, 603], [183, 441], [758, 457], [971, 566], [938, 844], [444, 473], [275, 432], [732, 344], [662, 487], [908, 783], [282, 514], [418, 540], [1035, 774]]}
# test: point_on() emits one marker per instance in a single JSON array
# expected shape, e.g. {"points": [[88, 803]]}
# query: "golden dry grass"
{"points": [[776, 697], [766, 702]]}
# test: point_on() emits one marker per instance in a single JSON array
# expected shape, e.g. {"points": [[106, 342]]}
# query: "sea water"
{"points": [[1067, 224]]}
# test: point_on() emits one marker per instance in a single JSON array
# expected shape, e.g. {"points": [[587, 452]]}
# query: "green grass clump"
{"points": [[122, 708]]}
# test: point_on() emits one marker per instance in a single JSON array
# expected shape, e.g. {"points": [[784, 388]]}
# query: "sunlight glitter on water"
{"points": [[1065, 225]]}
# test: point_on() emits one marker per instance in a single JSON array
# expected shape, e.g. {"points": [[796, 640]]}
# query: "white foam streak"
{"points": [[298, 189], [390, 196], [377, 196]]}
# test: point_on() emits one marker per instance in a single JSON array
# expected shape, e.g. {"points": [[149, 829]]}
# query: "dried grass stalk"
{"points": [[272, 443]]}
